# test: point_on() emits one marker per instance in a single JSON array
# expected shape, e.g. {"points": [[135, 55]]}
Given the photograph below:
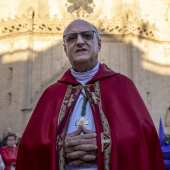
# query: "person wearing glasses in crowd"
{"points": [[9, 152], [92, 118]]}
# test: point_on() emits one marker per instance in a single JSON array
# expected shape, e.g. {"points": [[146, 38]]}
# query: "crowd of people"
{"points": [[8, 149]]}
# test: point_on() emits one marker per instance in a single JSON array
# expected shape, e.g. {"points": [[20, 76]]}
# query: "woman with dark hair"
{"points": [[9, 152]]}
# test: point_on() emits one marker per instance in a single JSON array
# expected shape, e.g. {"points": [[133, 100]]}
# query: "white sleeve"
{"points": [[2, 163]]}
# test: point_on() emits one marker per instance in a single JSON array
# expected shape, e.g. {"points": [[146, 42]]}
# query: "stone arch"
{"points": [[51, 81]]}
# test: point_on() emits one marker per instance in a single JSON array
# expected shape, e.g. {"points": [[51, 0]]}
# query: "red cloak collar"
{"points": [[103, 73]]}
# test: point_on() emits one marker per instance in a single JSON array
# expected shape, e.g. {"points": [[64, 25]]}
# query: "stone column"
{"points": [[27, 107]]}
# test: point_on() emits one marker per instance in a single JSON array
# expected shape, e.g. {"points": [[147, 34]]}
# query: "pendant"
{"points": [[82, 121]]}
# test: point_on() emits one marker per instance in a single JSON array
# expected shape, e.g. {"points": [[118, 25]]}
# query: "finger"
{"points": [[77, 132], [91, 149], [68, 149], [71, 135], [83, 136], [87, 158], [81, 141], [85, 147], [75, 162], [86, 131], [76, 154], [93, 153]]}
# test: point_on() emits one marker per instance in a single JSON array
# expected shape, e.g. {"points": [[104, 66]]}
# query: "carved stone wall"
{"points": [[135, 41]]}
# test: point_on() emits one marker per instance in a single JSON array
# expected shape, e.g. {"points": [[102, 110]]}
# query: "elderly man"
{"points": [[92, 118]]}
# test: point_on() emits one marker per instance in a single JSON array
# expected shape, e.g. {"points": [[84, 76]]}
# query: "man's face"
{"points": [[11, 141], [82, 53]]}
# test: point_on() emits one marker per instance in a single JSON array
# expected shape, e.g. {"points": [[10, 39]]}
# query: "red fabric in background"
{"points": [[9, 156], [135, 144]]}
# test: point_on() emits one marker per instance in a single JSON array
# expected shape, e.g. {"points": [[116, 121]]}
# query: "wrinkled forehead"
{"points": [[78, 26]]}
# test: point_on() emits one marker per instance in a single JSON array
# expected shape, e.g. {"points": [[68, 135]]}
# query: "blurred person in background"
{"points": [[5, 132], [18, 138], [9, 152]]}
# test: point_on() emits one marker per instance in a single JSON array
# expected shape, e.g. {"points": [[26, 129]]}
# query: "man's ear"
{"points": [[65, 49], [99, 45]]}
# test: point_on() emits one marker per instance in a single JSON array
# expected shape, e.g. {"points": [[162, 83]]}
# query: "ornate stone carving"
{"points": [[139, 28], [81, 8], [13, 27], [81, 4], [48, 26]]}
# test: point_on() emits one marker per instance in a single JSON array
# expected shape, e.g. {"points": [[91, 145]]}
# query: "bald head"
{"points": [[80, 23], [5, 132]]}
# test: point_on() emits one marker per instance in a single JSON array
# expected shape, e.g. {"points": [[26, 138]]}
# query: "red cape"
{"points": [[126, 136]]}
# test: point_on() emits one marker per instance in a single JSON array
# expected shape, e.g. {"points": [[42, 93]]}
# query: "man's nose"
{"points": [[79, 39]]}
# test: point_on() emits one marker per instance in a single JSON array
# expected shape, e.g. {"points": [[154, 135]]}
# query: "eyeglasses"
{"points": [[72, 37], [10, 139]]}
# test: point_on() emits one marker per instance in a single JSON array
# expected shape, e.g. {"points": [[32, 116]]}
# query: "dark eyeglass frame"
{"points": [[76, 36]]}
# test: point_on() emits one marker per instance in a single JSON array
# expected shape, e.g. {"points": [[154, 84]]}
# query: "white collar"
{"points": [[84, 77]]}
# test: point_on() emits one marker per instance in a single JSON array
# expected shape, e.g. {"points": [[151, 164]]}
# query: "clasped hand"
{"points": [[81, 149]]}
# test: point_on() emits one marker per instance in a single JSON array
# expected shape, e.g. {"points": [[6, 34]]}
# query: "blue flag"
{"points": [[161, 133]]}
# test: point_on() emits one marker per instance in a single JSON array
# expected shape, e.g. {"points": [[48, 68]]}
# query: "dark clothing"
{"points": [[2, 143]]}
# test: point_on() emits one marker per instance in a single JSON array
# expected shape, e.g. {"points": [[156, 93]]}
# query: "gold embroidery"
{"points": [[105, 126], [61, 153], [64, 105], [69, 98], [106, 136], [78, 87], [104, 141], [94, 97], [70, 101]]}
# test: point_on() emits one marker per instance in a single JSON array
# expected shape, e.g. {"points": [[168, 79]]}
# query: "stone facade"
{"points": [[135, 41]]}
